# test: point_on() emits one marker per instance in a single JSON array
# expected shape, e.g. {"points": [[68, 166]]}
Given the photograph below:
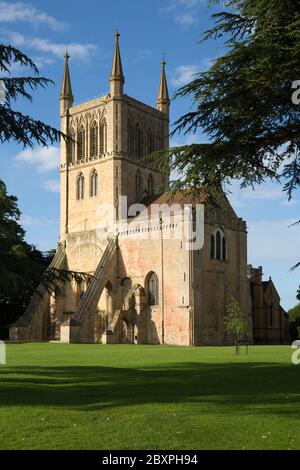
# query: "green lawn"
{"points": [[56, 396]]}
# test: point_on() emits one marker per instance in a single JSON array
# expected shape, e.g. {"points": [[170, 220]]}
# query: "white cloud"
{"points": [[188, 3], [76, 50], [45, 159], [184, 11], [185, 19], [179, 4], [26, 13], [30, 221], [53, 186], [184, 74]]}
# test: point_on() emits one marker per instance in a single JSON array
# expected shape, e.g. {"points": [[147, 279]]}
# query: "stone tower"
{"points": [[111, 136]]}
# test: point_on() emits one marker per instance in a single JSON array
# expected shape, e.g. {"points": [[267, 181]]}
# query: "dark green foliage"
{"points": [[13, 124], [22, 266], [243, 103], [294, 319]]}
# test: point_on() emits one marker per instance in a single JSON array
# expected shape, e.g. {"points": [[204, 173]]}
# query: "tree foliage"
{"points": [[243, 103], [22, 266], [13, 124], [294, 320], [235, 321]]}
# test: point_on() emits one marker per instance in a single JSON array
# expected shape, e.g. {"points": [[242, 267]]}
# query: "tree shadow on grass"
{"points": [[259, 386]]}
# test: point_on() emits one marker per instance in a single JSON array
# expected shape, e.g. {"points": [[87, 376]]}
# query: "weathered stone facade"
{"points": [[146, 286], [270, 321]]}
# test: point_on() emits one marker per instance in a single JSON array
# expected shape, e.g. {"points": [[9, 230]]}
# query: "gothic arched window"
{"points": [[130, 138], [80, 187], [150, 148], [94, 183], [81, 143], [150, 186], [137, 140], [103, 137], [71, 147], [138, 183], [94, 139], [218, 245], [152, 289]]}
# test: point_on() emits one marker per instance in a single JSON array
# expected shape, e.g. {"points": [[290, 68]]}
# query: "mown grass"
{"points": [[56, 396]]}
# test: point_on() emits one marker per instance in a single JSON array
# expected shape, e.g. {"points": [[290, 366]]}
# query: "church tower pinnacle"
{"points": [[117, 78], [163, 100], [66, 95]]}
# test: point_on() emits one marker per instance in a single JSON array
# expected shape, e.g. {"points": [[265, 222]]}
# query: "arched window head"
{"points": [[150, 186], [81, 143], [139, 141], [94, 183], [94, 139], [103, 137], [218, 245], [138, 184], [80, 187], [152, 289]]}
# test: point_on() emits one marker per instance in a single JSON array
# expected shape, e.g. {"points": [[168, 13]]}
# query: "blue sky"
{"points": [[44, 29]]}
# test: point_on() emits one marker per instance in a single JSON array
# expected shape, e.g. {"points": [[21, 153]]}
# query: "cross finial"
{"points": [[67, 57], [117, 34], [163, 62]]}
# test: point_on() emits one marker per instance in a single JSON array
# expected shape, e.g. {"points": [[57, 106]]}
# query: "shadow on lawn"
{"points": [[256, 385]]}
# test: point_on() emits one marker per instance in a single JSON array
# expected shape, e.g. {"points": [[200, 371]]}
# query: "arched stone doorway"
{"points": [[104, 312], [126, 331]]}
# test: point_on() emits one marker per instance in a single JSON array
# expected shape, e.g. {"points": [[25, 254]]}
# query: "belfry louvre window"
{"points": [[150, 148], [80, 187], [71, 147], [103, 137], [94, 183], [81, 143], [94, 139], [130, 138]]}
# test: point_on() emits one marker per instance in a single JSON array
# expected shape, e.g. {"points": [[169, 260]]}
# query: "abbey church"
{"points": [[148, 283]]}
